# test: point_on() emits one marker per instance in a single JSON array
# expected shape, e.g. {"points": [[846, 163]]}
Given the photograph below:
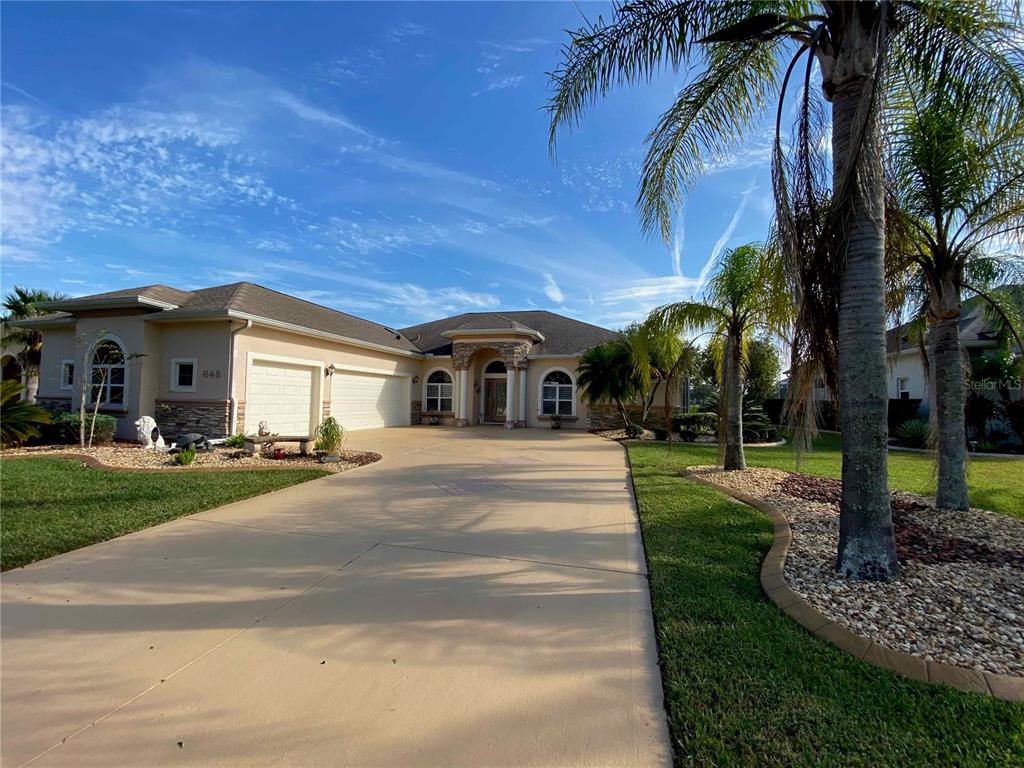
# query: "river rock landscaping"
{"points": [[959, 596], [130, 456]]}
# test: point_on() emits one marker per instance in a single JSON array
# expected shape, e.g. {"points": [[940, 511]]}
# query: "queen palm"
{"points": [[750, 52], [958, 184], [606, 373], [23, 304], [745, 293]]}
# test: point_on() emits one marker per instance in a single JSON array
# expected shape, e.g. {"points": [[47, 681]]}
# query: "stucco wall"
{"points": [[58, 345], [536, 371], [907, 364]]}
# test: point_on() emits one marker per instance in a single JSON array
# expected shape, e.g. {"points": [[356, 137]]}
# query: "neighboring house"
{"points": [[906, 369], [221, 360]]}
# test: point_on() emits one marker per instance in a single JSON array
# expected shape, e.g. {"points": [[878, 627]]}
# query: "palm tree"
{"points": [[745, 293], [839, 278], [958, 184], [606, 373], [662, 355], [23, 304]]}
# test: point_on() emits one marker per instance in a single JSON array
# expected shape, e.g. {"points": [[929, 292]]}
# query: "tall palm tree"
{"points": [[750, 52], [606, 374], [958, 183], [745, 293], [661, 356], [23, 304]]}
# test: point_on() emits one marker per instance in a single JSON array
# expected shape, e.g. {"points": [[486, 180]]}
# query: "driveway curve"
{"points": [[477, 598]]}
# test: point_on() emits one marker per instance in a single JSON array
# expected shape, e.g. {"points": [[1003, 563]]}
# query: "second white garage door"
{"points": [[282, 396], [367, 400]]}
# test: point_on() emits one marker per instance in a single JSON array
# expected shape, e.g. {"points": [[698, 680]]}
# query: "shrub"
{"points": [[329, 435], [688, 435], [235, 441], [1013, 412], [703, 423], [70, 428], [660, 433], [185, 457], [634, 430], [19, 420], [986, 446], [978, 410], [913, 433]]}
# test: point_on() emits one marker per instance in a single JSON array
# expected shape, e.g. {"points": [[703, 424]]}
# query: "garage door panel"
{"points": [[282, 396], [366, 400]]}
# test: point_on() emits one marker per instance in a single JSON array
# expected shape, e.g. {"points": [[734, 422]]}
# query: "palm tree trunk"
{"points": [[31, 385], [867, 547], [734, 458], [948, 408], [622, 410]]}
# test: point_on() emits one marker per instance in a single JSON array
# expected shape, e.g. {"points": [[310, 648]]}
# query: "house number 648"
{"points": [[211, 373]]}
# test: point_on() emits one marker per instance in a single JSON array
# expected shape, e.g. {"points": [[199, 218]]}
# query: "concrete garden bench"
{"points": [[252, 441]]}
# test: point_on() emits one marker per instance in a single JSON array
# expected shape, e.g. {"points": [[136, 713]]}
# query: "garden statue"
{"points": [[191, 440], [263, 429], [148, 433]]}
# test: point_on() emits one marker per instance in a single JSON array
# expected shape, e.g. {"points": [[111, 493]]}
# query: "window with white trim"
{"points": [[557, 394], [67, 374], [439, 392], [108, 374], [903, 388], [183, 374]]}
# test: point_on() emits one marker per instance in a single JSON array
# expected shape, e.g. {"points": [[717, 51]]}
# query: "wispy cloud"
{"points": [[406, 29], [511, 81], [314, 114], [21, 91], [551, 289], [725, 237], [524, 45]]}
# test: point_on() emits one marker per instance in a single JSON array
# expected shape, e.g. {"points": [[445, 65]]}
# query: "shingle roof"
{"points": [[975, 326], [562, 335], [253, 299]]}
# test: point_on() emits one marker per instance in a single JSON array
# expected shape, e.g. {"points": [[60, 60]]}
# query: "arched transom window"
{"points": [[439, 392], [108, 373], [557, 394], [495, 366]]}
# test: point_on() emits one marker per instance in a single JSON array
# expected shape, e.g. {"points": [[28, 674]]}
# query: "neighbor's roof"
{"points": [[976, 330], [562, 335]]}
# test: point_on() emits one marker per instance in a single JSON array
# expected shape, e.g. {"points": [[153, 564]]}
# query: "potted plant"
{"points": [[329, 435], [556, 421], [434, 420]]}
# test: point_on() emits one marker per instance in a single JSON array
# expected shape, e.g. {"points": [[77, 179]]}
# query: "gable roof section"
{"points": [[562, 335], [976, 330]]}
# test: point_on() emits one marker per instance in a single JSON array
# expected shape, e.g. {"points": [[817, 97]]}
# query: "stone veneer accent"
{"points": [[240, 417], [513, 353], [208, 417], [326, 411], [607, 416], [417, 409], [54, 404]]}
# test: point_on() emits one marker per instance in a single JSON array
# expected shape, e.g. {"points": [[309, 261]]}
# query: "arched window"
{"points": [[557, 394], [108, 373], [495, 366], [439, 392]]}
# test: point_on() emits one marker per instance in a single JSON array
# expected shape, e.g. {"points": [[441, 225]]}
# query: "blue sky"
{"points": [[388, 160]]}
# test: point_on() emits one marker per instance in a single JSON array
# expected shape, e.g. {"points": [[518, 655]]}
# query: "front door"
{"points": [[495, 398]]}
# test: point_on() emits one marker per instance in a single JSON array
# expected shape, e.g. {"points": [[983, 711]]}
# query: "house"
{"points": [[221, 360], [906, 369], [978, 336]]}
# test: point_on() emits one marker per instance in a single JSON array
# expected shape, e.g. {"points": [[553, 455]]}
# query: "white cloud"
{"points": [[667, 287], [408, 29], [551, 289], [271, 244], [725, 237], [511, 81], [314, 114]]}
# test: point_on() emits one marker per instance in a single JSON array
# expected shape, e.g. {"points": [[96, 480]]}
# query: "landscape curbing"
{"points": [[1005, 687]]}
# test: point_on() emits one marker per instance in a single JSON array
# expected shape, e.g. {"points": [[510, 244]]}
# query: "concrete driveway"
{"points": [[477, 598]]}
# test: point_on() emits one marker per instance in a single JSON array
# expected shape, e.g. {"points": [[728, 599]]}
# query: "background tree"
{"points": [[750, 51], [958, 182], [744, 293], [606, 374], [761, 378], [23, 304]]}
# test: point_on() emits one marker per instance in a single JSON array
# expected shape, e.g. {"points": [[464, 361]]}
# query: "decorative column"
{"points": [[521, 413], [510, 397], [462, 411]]}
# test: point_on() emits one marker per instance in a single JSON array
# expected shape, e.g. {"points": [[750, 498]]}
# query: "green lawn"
{"points": [[745, 685], [52, 505], [995, 483]]}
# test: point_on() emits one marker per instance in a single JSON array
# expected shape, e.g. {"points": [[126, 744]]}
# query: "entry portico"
{"points": [[480, 356]]}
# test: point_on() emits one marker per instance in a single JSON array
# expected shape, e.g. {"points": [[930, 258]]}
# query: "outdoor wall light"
{"points": [[329, 370], [415, 379]]}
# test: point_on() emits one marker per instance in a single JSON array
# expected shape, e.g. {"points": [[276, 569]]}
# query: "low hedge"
{"points": [[702, 423], [67, 425]]}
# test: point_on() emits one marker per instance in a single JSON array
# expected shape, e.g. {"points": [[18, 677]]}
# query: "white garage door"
{"points": [[282, 396], [366, 400]]}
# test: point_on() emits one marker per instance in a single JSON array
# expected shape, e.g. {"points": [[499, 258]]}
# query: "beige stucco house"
{"points": [[221, 360]]}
